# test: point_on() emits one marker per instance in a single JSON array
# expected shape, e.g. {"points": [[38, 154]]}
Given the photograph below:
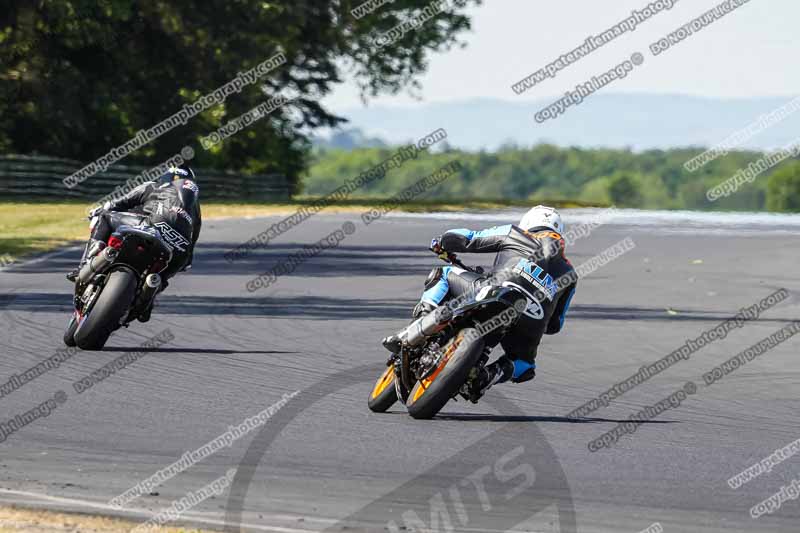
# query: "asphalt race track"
{"points": [[324, 462]]}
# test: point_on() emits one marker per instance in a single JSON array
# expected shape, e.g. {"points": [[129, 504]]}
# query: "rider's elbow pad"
{"points": [[453, 242]]}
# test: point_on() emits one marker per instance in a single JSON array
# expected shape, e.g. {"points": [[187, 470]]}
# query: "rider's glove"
{"points": [[99, 209], [436, 247]]}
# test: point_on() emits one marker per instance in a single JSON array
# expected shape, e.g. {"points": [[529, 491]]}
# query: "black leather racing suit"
{"points": [[533, 261], [169, 204]]}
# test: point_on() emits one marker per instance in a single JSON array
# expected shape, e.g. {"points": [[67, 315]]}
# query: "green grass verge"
{"points": [[31, 227]]}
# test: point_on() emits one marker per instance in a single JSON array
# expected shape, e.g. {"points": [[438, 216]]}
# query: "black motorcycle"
{"points": [[443, 351], [117, 285]]}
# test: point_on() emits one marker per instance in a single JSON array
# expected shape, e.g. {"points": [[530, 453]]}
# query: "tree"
{"points": [[80, 77], [546, 172], [624, 191], [783, 189], [596, 191]]}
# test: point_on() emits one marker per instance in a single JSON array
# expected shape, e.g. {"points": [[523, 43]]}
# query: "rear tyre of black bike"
{"points": [[106, 314]]}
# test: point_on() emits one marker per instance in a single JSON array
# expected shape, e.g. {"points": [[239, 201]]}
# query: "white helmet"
{"points": [[542, 216]]}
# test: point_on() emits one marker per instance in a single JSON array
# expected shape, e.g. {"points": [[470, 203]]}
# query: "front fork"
{"points": [[399, 361]]}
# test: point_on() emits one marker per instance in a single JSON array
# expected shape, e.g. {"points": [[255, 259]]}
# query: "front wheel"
{"points": [[69, 333], [384, 393], [105, 315], [430, 394]]}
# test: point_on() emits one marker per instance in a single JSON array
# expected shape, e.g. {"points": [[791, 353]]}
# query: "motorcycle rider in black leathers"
{"points": [[169, 203], [531, 257]]}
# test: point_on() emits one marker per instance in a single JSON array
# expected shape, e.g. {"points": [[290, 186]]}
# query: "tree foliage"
{"points": [[783, 189], [654, 179], [80, 77], [625, 191]]}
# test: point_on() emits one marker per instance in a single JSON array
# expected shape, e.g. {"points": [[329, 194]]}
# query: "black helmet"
{"points": [[182, 172], [188, 169]]}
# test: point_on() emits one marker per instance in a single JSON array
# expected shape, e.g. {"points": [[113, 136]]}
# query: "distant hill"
{"points": [[347, 139], [635, 121]]}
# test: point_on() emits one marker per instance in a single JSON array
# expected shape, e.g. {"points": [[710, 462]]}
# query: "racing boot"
{"points": [[93, 247], [481, 380], [422, 309], [144, 316]]}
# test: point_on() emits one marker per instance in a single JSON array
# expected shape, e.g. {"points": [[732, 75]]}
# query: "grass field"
{"points": [[19, 520], [30, 227]]}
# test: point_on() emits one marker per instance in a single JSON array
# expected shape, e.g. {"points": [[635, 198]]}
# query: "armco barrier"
{"points": [[40, 177]]}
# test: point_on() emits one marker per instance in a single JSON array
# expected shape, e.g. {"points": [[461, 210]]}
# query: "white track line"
{"points": [[39, 259], [39, 498], [194, 517]]}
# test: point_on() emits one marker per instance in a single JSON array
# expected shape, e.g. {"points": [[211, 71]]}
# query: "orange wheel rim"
{"points": [[423, 385], [386, 379]]}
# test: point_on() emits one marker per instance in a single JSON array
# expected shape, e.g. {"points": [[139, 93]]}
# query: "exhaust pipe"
{"points": [[97, 264], [424, 327]]}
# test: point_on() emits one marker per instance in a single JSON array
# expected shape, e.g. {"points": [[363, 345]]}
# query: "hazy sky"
{"points": [[753, 51]]}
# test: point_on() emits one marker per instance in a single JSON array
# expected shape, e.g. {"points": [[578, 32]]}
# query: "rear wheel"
{"points": [[384, 393], [429, 395], [105, 315]]}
